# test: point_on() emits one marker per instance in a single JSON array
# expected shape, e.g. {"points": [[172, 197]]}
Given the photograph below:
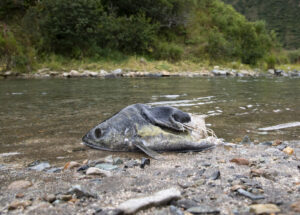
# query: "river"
{"points": [[45, 119]]}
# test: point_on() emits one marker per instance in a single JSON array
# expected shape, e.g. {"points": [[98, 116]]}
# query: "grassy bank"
{"points": [[136, 63]]}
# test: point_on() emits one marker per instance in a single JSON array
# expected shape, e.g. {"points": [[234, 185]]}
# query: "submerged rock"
{"points": [[157, 199]]}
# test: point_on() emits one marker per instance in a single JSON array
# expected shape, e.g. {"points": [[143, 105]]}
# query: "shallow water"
{"points": [[45, 119]]}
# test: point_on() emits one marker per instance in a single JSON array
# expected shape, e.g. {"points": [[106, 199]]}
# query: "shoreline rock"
{"points": [[126, 73]]}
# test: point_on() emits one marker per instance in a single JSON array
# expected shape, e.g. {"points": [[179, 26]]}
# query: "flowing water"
{"points": [[45, 119]]}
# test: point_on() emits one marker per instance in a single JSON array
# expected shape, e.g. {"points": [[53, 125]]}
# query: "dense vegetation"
{"points": [[197, 30], [280, 15]]}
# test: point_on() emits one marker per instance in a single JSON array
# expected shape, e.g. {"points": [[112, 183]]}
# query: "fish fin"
{"points": [[146, 150]]}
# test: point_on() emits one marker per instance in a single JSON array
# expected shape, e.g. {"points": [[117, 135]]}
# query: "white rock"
{"points": [[117, 72], [96, 171], [74, 73], [160, 198]]}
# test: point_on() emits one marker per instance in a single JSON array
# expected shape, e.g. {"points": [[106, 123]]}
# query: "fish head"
{"points": [[104, 136]]}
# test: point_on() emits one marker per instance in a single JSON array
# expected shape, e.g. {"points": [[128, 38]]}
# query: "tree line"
{"points": [[171, 30]]}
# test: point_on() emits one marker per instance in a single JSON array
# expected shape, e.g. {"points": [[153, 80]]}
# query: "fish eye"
{"points": [[98, 132]]}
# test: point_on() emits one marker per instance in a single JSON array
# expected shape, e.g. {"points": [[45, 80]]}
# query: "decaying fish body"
{"points": [[150, 129]]}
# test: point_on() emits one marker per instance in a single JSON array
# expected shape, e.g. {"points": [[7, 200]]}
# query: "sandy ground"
{"points": [[271, 173]]}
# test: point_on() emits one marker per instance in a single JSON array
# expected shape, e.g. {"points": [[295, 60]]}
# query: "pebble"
{"points": [[106, 166], [54, 170], [40, 166], [282, 147], [296, 206], [185, 203], [246, 140], [240, 161], [21, 184], [71, 165], [267, 143], [277, 143], [288, 150], [50, 198], [83, 168], [216, 175], [264, 209], [20, 195], [160, 198], [117, 161], [97, 171], [175, 211], [80, 192], [64, 197], [131, 163], [144, 162], [249, 195], [204, 209], [19, 204]]}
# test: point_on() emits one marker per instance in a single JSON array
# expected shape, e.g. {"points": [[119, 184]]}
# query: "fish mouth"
{"points": [[94, 146], [90, 143]]}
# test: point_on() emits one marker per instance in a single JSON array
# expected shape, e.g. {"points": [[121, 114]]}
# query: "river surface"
{"points": [[45, 119]]}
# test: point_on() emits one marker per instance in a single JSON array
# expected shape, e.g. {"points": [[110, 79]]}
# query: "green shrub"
{"points": [[13, 54], [167, 51], [132, 34], [271, 61], [69, 27], [294, 56]]}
